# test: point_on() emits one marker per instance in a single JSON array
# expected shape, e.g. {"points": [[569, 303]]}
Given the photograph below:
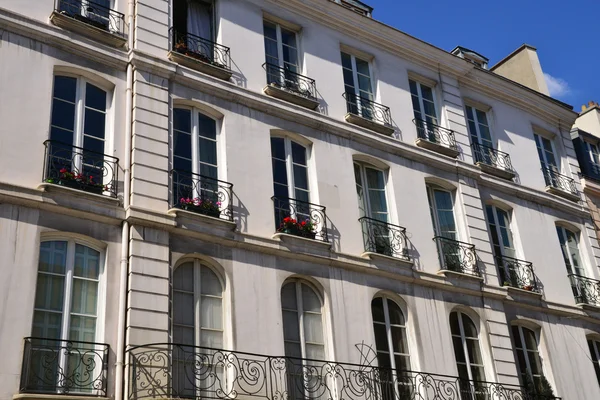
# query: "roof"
{"points": [[465, 50]]}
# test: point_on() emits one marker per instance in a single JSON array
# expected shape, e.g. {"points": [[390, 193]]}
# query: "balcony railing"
{"points": [[492, 157], [517, 273], [181, 371], [368, 109], [291, 81], [457, 256], [559, 181], [93, 14], [585, 290], [81, 169], [383, 238], [435, 134], [201, 49], [201, 194], [300, 218], [53, 366]]}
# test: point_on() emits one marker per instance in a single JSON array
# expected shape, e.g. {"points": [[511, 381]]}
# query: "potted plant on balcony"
{"points": [[201, 206], [529, 288], [76, 180], [307, 229], [181, 46], [290, 226]]}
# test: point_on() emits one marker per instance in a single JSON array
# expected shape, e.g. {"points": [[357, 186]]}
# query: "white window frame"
{"points": [[463, 339], [436, 222], [420, 98], [280, 60], [476, 122], [289, 166], [495, 210], [524, 350], [595, 344], [553, 148], [357, 89], [590, 147], [365, 186], [388, 329], [576, 234]]}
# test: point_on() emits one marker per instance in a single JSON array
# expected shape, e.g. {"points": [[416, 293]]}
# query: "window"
{"points": [[499, 227], [442, 212], [302, 321], [423, 104], [78, 120], [197, 320], [96, 12], [592, 150], [194, 17], [389, 325], [528, 355], [479, 129], [370, 189], [357, 85], [465, 339], [594, 346], [570, 250], [281, 51], [545, 152]]}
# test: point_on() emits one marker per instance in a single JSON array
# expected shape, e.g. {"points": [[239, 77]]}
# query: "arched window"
{"points": [[389, 326], [302, 321], [594, 346], [467, 352], [528, 355]]}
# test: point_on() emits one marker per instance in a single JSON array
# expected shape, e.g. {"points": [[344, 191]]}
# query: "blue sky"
{"points": [[564, 33]]}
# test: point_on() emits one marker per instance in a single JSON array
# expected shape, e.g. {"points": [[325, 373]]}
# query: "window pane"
{"points": [[65, 88], [474, 351], [53, 257], [300, 177], [399, 340], [298, 154], [469, 327], [377, 310], [315, 352], [375, 179], [396, 315], [47, 325], [517, 337], [362, 67], [182, 120], [63, 115], [459, 353], [530, 340], [454, 327], [183, 277], [291, 329], [381, 341], [211, 339], [82, 329], [211, 313], [288, 37], [346, 61], [84, 297], [277, 148], [279, 172], [208, 151], [86, 262], [95, 97], [270, 30], [288, 296], [49, 292], [183, 308], [310, 300], [210, 283], [207, 127], [183, 335], [293, 350], [313, 330]]}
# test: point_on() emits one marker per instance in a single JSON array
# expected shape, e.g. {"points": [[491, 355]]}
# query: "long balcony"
{"points": [[300, 218], [159, 371], [559, 184], [200, 54], [77, 168], [382, 238], [290, 86], [492, 161], [585, 290], [457, 256], [91, 19], [201, 194], [368, 114], [517, 273], [436, 138], [53, 366]]}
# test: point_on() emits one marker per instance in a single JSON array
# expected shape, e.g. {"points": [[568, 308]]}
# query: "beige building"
{"points": [[261, 199]]}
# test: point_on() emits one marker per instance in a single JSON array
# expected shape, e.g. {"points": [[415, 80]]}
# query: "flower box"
{"points": [[78, 181], [201, 206], [291, 226]]}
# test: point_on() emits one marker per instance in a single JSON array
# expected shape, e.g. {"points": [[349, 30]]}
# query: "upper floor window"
{"points": [[592, 150], [194, 142], [194, 17], [357, 85], [441, 208], [389, 326], [570, 250], [594, 346], [281, 48], [302, 321], [290, 169], [499, 228], [479, 128], [465, 339], [96, 12], [423, 102], [546, 152], [370, 189], [528, 355]]}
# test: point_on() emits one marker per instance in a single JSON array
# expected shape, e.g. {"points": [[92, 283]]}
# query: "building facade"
{"points": [[282, 199]]}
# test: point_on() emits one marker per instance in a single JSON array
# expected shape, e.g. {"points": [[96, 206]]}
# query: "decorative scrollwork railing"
{"points": [[368, 109], [383, 238], [64, 366], [302, 213], [559, 181], [291, 81], [492, 157], [93, 14], [78, 168], [435, 134], [181, 371], [457, 256], [585, 290], [201, 194], [201, 49], [517, 273]]}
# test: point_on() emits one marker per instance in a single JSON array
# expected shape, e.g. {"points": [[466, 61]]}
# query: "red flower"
{"points": [[287, 219], [63, 170], [303, 223]]}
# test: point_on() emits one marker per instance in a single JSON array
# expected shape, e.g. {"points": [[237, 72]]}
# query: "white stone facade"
{"points": [[252, 263]]}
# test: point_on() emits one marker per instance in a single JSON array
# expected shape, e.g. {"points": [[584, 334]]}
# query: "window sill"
{"points": [[100, 35], [589, 307], [51, 187], [199, 65], [290, 96], [367, 123], [499, 172], [405, 262], [57, 396], [452, 274], [562, 193], [301, 241], [522, 292], [438, 148], [192, 216]]}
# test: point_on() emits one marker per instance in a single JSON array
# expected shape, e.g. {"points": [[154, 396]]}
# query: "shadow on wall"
{"points": [[238, 77], [333, 234], [240, 213]]}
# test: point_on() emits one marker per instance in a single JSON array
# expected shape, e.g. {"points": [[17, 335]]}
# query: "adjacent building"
{"points": [[259, 199]]}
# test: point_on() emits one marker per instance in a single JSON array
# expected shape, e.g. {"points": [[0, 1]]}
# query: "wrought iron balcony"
{"points": [[457, 256], [585, 290], [368, 114], [559, 184], [493, 161], [291, 81], [517, 273], [201, 194], [78, 168], [53, 366], [383, 238], [300, 218], [181, 371], [92, 14], [201, 54], [436, 138]]}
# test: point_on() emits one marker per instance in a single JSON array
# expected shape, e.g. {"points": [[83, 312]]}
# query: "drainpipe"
{"points": [[122, 311]]}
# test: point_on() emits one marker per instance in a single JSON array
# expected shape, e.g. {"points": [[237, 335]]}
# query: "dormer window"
{"points": [[356, 6], [471, 56]]}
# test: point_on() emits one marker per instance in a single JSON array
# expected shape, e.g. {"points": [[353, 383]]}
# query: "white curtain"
{"points": [[199, 19]]}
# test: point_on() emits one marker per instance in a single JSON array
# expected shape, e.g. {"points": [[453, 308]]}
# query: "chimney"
{"points": [[591, 104], [523, 66]]}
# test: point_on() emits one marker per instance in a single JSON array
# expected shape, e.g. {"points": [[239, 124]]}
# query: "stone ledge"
{"points": [[106, 37], [376, 256], [367, 123], [287, 95], [562, 193], [52, 187], [57, 396], [453, 274], [438, 148], [522, 294], [224, 223], [499, 172], [301, 241], [198, 65]]}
